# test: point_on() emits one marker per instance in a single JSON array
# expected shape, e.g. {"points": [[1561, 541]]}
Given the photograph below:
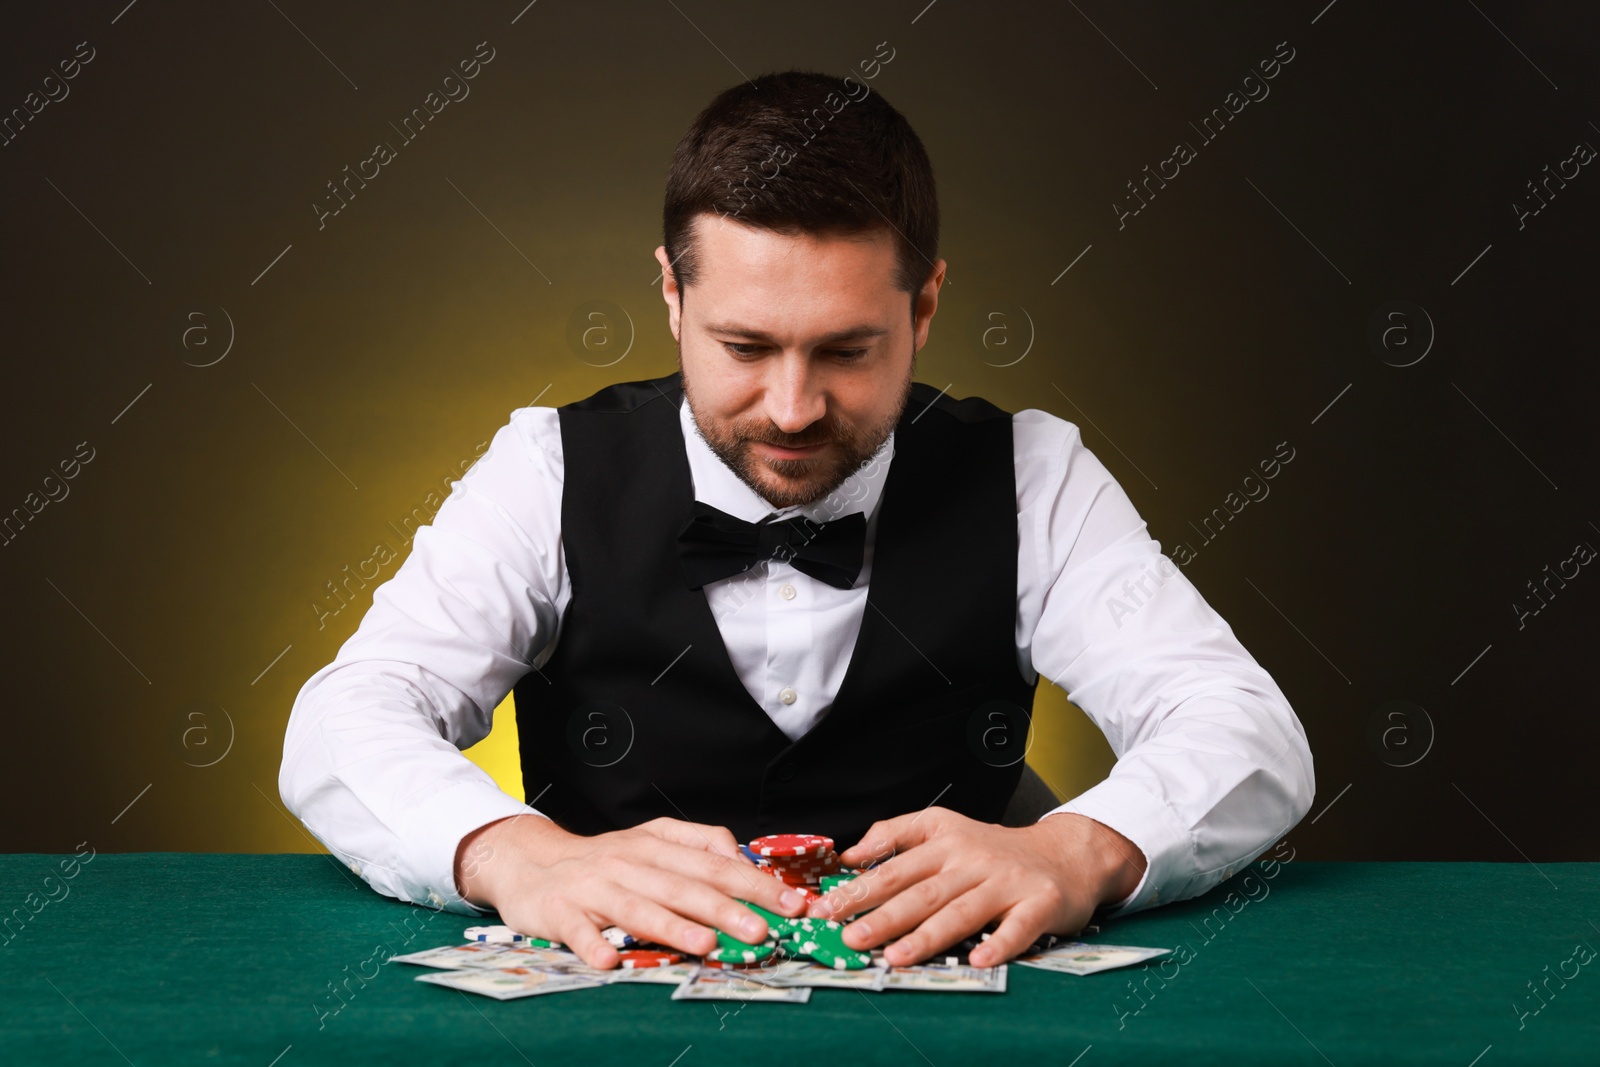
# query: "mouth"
{"points": [[779, 452]]}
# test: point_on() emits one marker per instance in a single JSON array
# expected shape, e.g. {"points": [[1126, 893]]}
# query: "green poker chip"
{"points": [[726, 940], [747, 954], [824, 943], [809, 926], [840, 959]]}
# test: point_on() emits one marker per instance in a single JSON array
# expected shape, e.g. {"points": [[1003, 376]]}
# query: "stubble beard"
{"points": [[786, 483]]}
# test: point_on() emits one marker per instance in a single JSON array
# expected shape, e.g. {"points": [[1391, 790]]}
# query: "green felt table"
{"points": [[170, 958]]}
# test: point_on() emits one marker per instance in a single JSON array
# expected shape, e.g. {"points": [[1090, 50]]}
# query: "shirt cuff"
{"points": [[1150, 824], [1113, 909], [435, 830]]}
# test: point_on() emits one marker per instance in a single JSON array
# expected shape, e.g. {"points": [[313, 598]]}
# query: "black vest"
{"points": [[639, 712]]}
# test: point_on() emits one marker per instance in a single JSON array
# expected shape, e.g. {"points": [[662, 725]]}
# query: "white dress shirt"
{"points": [[1212, 763]]}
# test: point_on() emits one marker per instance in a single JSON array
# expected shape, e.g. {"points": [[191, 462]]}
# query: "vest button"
{"points": [[786, 772], [788, 696]]}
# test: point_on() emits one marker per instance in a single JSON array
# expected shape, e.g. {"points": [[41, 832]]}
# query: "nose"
{"points": [[794, 397]]}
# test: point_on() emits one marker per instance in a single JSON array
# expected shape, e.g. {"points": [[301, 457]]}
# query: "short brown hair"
{"points": [[783, 152]]}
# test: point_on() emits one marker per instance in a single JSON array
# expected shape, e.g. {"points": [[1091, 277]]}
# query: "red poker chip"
{"points": [[637, 958], [800, 864], [791, 845]]}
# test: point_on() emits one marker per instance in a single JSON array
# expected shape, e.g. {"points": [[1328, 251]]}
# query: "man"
{"points": [[786, 590]]}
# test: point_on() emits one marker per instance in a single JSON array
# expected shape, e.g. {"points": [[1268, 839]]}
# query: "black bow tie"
{"points": [[714, 545]]}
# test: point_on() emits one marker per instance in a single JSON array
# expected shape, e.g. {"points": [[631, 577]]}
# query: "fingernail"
{"points": [[751, 928], [791, 899], [863, 931]]}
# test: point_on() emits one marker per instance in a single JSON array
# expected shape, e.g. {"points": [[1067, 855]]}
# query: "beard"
{"points": [[786, 483]]}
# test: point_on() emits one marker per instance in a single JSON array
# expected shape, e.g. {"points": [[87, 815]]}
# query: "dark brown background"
{"points": [[380, 351]]}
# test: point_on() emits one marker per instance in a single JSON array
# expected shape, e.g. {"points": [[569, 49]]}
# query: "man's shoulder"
{"points": [[1037, 430], [1033, 429], [924, 398]]}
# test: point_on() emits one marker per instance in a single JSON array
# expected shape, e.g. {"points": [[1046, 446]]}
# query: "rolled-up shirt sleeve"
{"points": [[1212, 762], [372, 761]]}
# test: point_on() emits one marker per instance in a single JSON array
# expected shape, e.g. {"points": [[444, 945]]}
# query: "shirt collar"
{"points": [[717, 485]]}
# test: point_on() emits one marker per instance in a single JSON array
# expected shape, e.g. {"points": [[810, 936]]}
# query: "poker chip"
{"points": [[822, 941], [805, 863], [640, 958], [504, 935], [727, 940], [791, 845], [750, 954], [720, 966], [618, 937], [840, 958]]}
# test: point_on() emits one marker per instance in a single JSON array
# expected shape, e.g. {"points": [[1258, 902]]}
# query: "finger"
{"points": [[762, 889], [961, 917], [690, 899], [579, 933], [736, 877], [714, 839], [1021, 927], [888, 837], [911, 907], [647, 920], [879, 884]]}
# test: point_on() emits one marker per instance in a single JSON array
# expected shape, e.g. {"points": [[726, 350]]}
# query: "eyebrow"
{"points": [[850, 333]]}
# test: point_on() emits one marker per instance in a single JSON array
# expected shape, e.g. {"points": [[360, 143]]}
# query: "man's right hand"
{"points": [[666, 881]]}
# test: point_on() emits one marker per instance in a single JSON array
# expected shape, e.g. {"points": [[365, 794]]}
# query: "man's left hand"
{"points": [[950, 876]]}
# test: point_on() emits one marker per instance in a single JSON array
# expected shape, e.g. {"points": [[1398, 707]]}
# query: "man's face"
{"points": [[796, 352]]}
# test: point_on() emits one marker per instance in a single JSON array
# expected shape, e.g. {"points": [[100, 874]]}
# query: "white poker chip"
{"points": [[494, 935], [618, 937]]}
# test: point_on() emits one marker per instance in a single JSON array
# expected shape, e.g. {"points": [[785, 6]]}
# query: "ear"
{"points": [[669, 291], [927, 304]]}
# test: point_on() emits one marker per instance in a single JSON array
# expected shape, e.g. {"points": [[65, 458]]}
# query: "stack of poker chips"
{"points": [[807, 864], [800, 861], [819, 940]]}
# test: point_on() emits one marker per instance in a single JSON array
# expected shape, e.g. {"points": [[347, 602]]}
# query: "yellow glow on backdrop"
{"points": [[498, 753], [1065, 747]]}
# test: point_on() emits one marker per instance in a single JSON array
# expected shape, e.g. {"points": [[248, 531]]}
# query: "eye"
{"points": [[746, 351]]}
